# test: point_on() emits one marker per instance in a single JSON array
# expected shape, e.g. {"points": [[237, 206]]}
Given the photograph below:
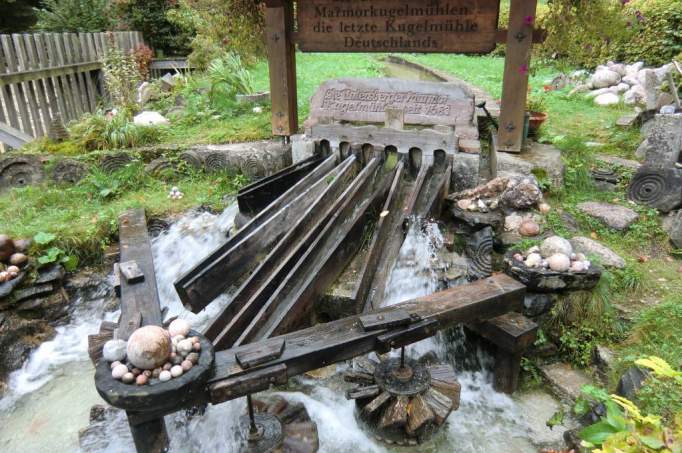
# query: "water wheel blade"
{"points": [[376, 404], [277, 406], [300, 438], [294, 413], [395, 414], [440, 404], [418, 414], [363, 392], [444, 380], [364, 364], [356, 377]]}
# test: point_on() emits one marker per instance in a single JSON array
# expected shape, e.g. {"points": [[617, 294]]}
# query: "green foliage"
{"points": [[222, 25], [54, 254], [97, 132], [229, 73], [624, 429], [121, 77], [657, 31], [151, 18], [536, 103], [17, 15], [74, 16]]}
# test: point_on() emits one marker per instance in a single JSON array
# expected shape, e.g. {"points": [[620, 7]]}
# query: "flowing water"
{"points": [[49, 398]]}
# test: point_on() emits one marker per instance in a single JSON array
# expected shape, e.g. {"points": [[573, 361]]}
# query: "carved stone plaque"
{"points": [[462, 26], [366, 100]]}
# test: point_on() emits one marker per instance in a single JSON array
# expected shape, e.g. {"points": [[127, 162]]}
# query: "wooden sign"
{"points": [[463, 26]]}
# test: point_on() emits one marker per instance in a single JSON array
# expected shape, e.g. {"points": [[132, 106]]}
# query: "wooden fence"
{"points": [[50, 76]]}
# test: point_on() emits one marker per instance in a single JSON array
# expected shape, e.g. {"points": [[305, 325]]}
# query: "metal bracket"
{"points": [[520, 36], [411, 334], [387, 320]]}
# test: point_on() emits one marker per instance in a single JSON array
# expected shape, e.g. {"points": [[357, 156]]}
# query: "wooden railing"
{"points": [[45, 77]]}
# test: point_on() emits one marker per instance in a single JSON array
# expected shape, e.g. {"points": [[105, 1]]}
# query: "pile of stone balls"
{"points": [[508, 193], [153, 352], [12, 257], [555, 253]]}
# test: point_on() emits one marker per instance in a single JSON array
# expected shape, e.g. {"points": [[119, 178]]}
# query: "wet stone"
{"points": [[565, 380], [617, 217], [605, 255], [536, 304]]}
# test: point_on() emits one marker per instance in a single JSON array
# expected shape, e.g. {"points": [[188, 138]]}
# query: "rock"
{"points": [[176, 371], [603, 78], [522, 195], [119, 371], [630, 382], [165, 375], [464, 204], [22, 245], [665, 100], [565, 381], [667, 109], [630, 81], [672, 224], [633, 69], [6, 247], [144, 93], [555, 244], [595, 93], [114, 350], [605, 255], [18, 259], [622, 88], [512, 222], [128, 378], [186, 365], [168, 82], [579, 88], [529, 228], [179, 327], [617, 217], [149, 118], [559, 262], [51, 274], [184, 347], [635, 95], [662, 72], [650, 83], [533, 260], [537, 407], [617, 67], [607, 99], [578, 266], [544, 208], [604, 359], [619, 162], [302, 147], [142, 379], [149, 347], [536, 304]]}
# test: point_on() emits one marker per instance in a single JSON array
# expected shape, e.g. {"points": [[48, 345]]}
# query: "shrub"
{"points": [[74, 15], [229, 72], [222, 25], [121, 78], [150, 17], [657, 31], [142, 55], [96, 132]]}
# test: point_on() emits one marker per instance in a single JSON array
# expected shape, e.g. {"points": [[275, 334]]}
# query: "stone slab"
{"points": [[617, 217], [366, 100], [672, 224], [564, 380], [663, 141], [619, 162], [605, 255]]}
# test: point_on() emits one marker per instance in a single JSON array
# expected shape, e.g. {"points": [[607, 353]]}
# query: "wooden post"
{"points": [[516, 68], [279, 17]]}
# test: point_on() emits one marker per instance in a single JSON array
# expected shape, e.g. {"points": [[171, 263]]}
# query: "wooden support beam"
{"points": [[516, 69], [13, 137], [279, 20]]}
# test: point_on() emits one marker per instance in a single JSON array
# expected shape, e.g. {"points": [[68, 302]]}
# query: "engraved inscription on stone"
{"points": [[366, 100], [397, 25]]}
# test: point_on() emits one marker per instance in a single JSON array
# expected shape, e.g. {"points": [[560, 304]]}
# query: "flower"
{"points": [[529, 20], [523, 69]]}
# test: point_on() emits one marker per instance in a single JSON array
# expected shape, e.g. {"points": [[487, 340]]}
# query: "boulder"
{"points": [[605, 77], [630, 382], [555, 244], [607, 99], [617, 217], [617, 67], [596, 93], [630, 80], [565, 380], [635, 95], [621, 88], [605, 255], [651, 88], [663, 140], [150, 118], [522, 195], [672, 224], [633, 69], [536, 304]]}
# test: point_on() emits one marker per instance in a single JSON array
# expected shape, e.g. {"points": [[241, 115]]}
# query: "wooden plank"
{"points": [[375, 321], [13, 137], [57, 50], [27, 87], [260, 353], [8, 113], [64, 43], [506, 371], [18, 101], [50, 83], [38, 85], [516, 70], [89, 86], [512, 332], [137, 299], [282, 66], [36, 74], [458, 26], [74, 45], [324, 344]]}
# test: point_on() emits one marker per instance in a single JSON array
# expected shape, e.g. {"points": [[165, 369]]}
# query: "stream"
{"points": [[49, 398]]}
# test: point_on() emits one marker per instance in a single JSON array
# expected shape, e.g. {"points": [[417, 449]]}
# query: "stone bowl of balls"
{"points": [[156, 369], [552, 266]]}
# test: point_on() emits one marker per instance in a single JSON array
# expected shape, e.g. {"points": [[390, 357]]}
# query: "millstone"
{"points": [[403, 405], [268, 438]]}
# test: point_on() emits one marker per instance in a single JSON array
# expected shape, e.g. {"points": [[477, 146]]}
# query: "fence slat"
{"points": [[27, 87], [38, 85], [18, 102], [54, 98], [87, 56], [80, 76], [65, 82], [73, 83]]}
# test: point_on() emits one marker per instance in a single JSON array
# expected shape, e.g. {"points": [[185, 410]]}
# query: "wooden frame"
{"points": [[281, 38]]}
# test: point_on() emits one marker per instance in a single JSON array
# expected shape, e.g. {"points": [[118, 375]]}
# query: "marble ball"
{"points": [[141, 379], [176, 371], [559, 262], [119, 371], [184, 347], [186, 365], [114, 350], [165, 375], [149, 347], [179, 327], [128, 378]]}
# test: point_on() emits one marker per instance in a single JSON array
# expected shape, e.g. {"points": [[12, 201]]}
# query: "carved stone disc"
{"points": [[269, 437], [411, 380]]}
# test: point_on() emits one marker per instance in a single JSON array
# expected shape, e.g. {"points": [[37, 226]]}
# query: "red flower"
{"points": [[523, 69], [529, 20]]}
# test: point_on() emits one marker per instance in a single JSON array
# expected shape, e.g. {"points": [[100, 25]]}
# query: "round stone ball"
{"points": [[156, 373], [559, 262], [114, 364], [179, 327], [184, 347], [119, 371], [13, 270], [167, 366], [6, 247], [18, 259], [128, 378], [193, 357], [149, 347], [141, 379], [529, 228], [186, 365], [165, 375], [114, 350], [196, 346], [533, 260], [577, 266], [555, 244], [176, 371]]}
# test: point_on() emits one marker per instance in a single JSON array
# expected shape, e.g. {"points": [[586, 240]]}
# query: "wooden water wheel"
{"points": [[402, 400], [278, 426]]}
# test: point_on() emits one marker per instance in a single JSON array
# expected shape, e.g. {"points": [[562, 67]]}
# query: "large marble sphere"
{"points": [[149, 347]]}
